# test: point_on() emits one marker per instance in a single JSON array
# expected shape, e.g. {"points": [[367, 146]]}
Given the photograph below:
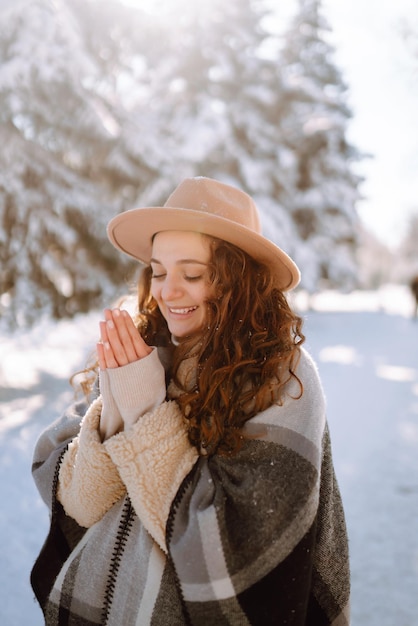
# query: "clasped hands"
{"points": [[120, 342], [120, 345]]}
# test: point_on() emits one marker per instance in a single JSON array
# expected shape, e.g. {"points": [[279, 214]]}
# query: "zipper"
{"points": [[169, 533], [55, 480], [125, 526]]}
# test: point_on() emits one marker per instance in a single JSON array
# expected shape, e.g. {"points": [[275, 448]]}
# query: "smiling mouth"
{"points": [[189, 309]]}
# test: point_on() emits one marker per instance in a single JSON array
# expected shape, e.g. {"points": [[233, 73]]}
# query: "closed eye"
{"points": [[188, 278], [193, 278]]}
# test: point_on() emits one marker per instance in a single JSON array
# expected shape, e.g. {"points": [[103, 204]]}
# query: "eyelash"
{"points": [[190, 279]]}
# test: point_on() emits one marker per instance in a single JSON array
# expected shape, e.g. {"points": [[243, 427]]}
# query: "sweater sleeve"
{"points": [[89, 483], [50, 446], [138, 387], [153, 458], [64, 531], [111, 421]]}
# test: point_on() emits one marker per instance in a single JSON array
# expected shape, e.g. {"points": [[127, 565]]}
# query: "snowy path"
{"points": [[368, 360], [369, 366]]}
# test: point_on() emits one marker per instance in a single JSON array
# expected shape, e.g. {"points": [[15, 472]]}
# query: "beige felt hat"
{"points": [[206, 206]]}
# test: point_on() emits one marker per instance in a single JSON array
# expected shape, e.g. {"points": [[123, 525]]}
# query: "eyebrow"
{"points": [[181, 262]]}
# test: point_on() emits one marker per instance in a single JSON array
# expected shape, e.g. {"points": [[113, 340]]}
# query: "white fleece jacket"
{"points": [[148, 460]]}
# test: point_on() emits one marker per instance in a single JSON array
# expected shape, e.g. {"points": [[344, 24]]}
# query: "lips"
{"points": [[183, 311]]}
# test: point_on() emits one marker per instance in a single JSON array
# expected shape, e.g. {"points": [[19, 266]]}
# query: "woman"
{"points": [[198, 487]]}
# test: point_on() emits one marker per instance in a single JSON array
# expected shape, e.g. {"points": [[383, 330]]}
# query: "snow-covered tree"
{"points": [[409, 245], [219, 98], [64, 169], [405, 266], [314, 122], [271, 123], [105, 106], [206, 90], [376, 261]]}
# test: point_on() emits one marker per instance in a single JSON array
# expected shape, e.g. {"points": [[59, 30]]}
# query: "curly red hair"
{"points": [[246, 354]]}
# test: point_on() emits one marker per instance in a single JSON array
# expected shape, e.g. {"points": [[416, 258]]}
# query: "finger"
{"points": [[110, 360], [133, 345], [110, 343], [108, 314], [103, 332], [101, 356], [141, 348], [115, 343], [121, 343]]}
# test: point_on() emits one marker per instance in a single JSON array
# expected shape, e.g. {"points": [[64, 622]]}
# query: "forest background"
{"points": [[107, 105]]}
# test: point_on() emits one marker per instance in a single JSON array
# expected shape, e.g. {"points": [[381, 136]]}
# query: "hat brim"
{"points": [[132, 233]]}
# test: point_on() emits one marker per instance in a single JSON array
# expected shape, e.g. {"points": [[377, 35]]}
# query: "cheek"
{"points": [[209, 292], [204, 293], [155, 292]]}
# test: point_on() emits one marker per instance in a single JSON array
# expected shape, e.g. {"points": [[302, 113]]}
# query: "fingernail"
{"points": [[110, 324]]}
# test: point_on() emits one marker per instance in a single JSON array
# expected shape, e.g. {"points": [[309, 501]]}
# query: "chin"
{"points": [[184, 334]]}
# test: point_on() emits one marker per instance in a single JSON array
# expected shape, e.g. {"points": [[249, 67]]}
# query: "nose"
{"points": [[171, 288]]}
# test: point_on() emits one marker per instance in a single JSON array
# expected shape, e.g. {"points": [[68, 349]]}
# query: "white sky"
{"points": [[382, 75]]}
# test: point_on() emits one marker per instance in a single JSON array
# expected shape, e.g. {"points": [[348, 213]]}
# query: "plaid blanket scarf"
{"points": [[256, 539]]}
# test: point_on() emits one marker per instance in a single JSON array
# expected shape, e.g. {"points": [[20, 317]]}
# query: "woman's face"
{"points": [[180, 279]]}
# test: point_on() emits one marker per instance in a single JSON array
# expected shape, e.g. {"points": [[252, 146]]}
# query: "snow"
{"points": [[209, 104], [366, 347]]}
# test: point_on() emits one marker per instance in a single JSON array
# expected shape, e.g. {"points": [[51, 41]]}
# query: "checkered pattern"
{"points": [[255, 539]]}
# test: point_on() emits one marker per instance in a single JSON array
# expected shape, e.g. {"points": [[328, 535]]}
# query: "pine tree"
{"points": [[65, 170], [409, 246], [222, 99], [105, 106], [314, 124], [405, 263], [278, 133]]}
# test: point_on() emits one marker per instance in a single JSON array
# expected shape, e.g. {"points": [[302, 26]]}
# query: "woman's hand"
{"points": [[127, 392], [120, 342]]}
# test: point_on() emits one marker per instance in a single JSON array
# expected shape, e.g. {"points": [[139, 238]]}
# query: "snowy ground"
{"points": [[366, 346]]}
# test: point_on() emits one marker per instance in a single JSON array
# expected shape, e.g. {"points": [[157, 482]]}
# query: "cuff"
{"points": [[138, 387], [111, 421], [89, 482]]}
